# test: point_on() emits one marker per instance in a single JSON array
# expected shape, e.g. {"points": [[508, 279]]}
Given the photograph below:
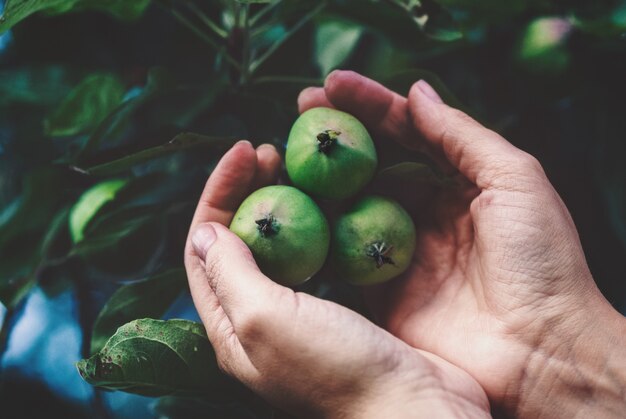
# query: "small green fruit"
{"points": [[286, 232], [330, 154], [373, 242]]}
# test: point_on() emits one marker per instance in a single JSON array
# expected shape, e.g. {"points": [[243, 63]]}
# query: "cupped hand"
{"points": [[309, 356], [499, 284]]}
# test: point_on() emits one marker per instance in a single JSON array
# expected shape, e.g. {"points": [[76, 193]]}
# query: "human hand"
{"points": [[499, 284], [308, 356]]}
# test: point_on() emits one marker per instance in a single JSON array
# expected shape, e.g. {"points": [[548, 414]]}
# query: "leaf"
{"points": [[181, 142], [17, 10], [19, 274], [89, 203], [120, 9], [33, 84], [157, 82], [334, 42], [150, 297], [412, 172], [154, 358], [35, 208], [86, 106]]}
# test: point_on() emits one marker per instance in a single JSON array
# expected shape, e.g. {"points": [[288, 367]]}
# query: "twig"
{"points": [[257, 63], [207, 20], [263, 12]]}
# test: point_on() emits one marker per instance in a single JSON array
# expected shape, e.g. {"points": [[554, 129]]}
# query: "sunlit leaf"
{"points": [[89, 203], [542, 47], [334, 42], [154, 358], [86, 106], [150, 297]]}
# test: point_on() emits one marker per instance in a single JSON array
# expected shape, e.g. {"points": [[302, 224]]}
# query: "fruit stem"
{"points": [[267, 226], [326, 140], [379, 251]]}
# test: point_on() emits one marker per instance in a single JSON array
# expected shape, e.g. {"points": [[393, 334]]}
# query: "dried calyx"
{"points": [[267, 226], [379, 251], [326, 140]]}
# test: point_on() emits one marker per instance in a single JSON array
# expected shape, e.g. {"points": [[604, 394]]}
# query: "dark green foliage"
{"points": [[108, 134]]}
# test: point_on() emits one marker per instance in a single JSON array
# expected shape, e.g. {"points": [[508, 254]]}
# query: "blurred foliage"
{"points": [[113, 113]]}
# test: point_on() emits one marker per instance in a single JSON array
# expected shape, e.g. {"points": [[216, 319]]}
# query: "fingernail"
{"points": [[202, 239], [241, 142], [266, 146], [428, 91]]}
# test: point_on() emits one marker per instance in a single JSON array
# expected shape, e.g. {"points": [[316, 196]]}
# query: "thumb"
{"points": [[230, 271], [480, 154]]}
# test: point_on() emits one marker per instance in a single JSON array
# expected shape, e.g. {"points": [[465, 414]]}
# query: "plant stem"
{"points": [[259, 62], [263, 12], [207, 20], [245, 53], [200, 34]]}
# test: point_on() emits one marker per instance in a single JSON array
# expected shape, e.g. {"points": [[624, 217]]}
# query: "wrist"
{"points": [[419, 391], [577, 370]]}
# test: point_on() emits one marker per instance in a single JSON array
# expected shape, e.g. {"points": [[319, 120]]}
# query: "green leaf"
{"points": [[19, 272], [150, 297], [35, 208], [542, 48], [86, 106], [17, 10], [120, 9], [154, 358], [89, 203], [181, 142], [412, 172], [33, 84], [334, 42]]}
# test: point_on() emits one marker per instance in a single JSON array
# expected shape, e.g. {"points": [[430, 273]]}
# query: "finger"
{"points": [[481, 155], [231, 357], [227, 186], [232, 274], [313, 97], [383, 111], [268, 166]]}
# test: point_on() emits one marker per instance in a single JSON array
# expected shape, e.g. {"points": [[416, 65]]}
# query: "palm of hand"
{"points": [[494, 257], [485, 270]]}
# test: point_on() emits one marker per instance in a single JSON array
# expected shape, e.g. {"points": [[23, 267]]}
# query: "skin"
{"points": [[311, 357], [499, 284], [499, 288]]}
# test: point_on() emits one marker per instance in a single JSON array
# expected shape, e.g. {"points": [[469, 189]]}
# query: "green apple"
{"points": [[286, 231], [330, 154], [373, 242]]}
